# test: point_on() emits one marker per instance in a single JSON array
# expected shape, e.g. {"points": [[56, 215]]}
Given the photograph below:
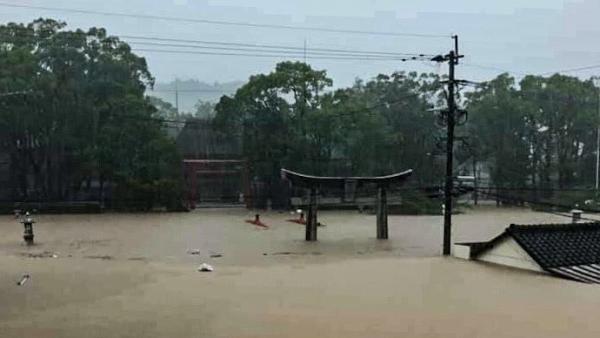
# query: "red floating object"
{"points": [[256, 221]]}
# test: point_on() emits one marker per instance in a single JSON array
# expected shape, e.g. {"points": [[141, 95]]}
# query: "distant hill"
{"points": [[190, 91]]}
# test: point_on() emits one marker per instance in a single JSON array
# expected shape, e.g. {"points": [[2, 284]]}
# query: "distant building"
{"points": [[566, 250], [214, 172], [199, 140]]}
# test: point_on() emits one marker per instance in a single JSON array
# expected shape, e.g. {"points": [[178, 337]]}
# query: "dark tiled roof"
{"points": [[559, 245], [584, 273], [567, 250]]}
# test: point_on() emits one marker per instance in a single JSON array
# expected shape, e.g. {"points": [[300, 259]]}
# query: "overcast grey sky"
{"points": [[517, 35]]}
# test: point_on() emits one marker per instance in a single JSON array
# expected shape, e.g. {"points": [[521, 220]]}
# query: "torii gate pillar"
{"points": [[311, 222], [382, 213]]}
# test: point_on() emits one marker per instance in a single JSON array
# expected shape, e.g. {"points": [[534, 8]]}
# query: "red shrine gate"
{"points": [[215, 182]]}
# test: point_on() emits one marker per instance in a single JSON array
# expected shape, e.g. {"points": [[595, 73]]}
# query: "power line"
{"points": [[254, 47], [569, 70], [284, 52], [270, 51], [469, 83], [188, 90], [274, 55], [224, 23], [267, 46], [486, 67]]}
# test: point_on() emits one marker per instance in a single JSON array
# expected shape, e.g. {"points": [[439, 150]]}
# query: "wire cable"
{"points": [[203, 44], [493, 68], [223, 22], [274, 55], [283, 52], [267, 46], [569, 70]]}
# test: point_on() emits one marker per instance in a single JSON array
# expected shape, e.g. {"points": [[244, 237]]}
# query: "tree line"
{"points": [[529, 138], [74, 118], [76, 122], [537, 135]]}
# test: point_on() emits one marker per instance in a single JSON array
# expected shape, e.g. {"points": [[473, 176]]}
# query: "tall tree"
{"points": [[498, 125], [272, 114], [538, 135], [84, 115]]}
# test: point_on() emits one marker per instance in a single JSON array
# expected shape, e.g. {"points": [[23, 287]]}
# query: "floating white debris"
{"points": [[23, 280], [205, 268]]}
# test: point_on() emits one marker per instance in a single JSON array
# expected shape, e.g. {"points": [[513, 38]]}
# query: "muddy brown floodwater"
{"points": [[134, 275]]}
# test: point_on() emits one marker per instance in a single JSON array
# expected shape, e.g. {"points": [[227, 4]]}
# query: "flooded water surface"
{"points": [[185, 237], [135, 275]]}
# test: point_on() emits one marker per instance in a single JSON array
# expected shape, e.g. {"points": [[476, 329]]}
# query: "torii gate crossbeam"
{"points": [[313, 183]]}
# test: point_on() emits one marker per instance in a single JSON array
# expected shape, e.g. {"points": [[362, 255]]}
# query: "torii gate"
{"points": [[315, 182]]}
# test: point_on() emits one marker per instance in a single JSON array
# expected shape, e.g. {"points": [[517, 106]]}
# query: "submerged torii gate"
{"points": [[313, 183]]}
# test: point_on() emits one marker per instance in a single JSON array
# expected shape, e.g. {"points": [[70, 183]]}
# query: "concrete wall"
{"points": [[509, 252], [461, 251]]}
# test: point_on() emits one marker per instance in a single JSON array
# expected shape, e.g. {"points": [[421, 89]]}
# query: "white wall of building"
{"points": [[462, 251], [508, 252]]}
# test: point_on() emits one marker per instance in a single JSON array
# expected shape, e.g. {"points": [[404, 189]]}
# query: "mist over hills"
{"points": [[190, 91]]}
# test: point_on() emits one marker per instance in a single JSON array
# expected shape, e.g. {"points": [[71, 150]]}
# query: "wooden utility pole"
{"points": [[597, 80], [452, 59], [449, 156]]}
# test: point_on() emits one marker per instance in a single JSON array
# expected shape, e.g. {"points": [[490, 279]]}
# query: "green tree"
{"points": [[83, 117], [271, 115], [386, 125], [563, 109], [204, 109], [499, 129], [164, 109], [536, 136]]}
